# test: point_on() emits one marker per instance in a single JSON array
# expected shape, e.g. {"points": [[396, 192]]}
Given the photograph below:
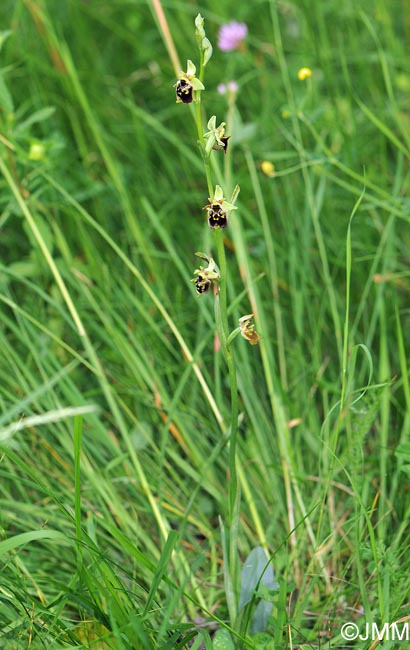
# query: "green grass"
{"points": [[113, 512]]}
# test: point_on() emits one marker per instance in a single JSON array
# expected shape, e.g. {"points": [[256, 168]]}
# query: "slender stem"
{"points": [[221, 318], [221, 305], [222, 285], [234, 433], [205, 157], [221, 309]]}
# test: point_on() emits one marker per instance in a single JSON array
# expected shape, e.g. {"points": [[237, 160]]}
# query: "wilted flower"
{"points": [[247, 329], [205, 275], [304, 73], [218, 208], [186, 84], [231, 35], [215, 137]]}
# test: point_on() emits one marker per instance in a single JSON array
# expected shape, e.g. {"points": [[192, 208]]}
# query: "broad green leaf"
{"points": [[263, 641], [257, 571], [260, 617], [223, 641]]}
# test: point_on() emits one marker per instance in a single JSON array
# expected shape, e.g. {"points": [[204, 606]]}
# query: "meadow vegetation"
{"points": [[115, 401]]}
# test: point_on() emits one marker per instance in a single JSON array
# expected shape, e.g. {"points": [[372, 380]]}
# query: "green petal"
{"points": [[203, 256], [228, 206], [212, 123], [196, 84], [190, 68], [218, 193], [235, 193], [209, 143]]}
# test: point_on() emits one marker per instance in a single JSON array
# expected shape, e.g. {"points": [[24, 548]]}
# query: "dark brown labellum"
{"points": [[184, 91], [224, 146], [202, 285], [217, 217], [225, 140]]}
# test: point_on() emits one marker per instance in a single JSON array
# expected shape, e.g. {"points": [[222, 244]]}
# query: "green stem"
{"points": [[205, 157], [222, 287], [223, 332], [221, 310], [221, 318]]}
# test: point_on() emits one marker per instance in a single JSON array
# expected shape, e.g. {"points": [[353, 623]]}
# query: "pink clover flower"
{"points": [[231, 35]]}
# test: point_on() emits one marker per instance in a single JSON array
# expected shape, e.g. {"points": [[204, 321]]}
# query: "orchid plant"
{"points": [[212, 137]]}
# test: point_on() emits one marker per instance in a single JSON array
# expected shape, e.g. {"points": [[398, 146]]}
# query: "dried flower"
{"points": [[231, 35], [218, 208], [247, 329], [215, 136], [205, 275], [304, 73], [186, 84]]}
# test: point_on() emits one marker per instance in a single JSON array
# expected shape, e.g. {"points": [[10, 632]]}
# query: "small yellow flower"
{"points": [[304, 73], [268, 168]]}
